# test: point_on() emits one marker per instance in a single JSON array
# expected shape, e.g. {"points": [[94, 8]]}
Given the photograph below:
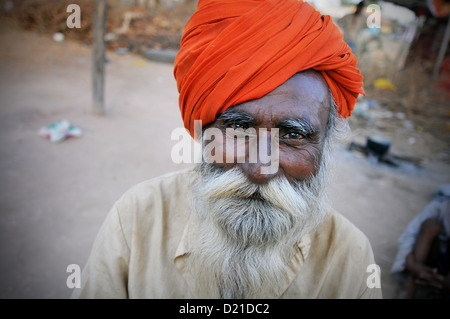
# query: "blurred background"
{"points": [[63, 165]]}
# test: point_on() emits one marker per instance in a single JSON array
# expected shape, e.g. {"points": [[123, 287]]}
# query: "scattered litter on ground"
{"points": [[60, 131], [377, 149], [396, 59], [139, 63], [58, 37], [442, 190], [384, 84], [122, 51]]}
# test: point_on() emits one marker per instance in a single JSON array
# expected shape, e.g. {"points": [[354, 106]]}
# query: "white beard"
{"points": [[244, 245]]}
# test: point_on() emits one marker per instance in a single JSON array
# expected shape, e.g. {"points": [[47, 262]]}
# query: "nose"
{"points": [[256, 174], [260, 169]]}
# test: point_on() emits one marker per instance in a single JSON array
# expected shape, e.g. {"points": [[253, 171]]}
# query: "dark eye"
{"points": [[292, 136], [237, 126]]}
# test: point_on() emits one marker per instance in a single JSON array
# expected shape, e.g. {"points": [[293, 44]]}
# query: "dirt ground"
{"points": [[55, 196]]}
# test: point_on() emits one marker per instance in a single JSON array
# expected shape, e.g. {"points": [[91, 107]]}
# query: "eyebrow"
{"points": [[301, 126], [232, 116]]}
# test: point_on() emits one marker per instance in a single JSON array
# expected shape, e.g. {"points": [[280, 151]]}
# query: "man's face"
{"points": [[250, 222], [299, 109]]}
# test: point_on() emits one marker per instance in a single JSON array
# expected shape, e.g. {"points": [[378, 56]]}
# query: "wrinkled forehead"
{"points": [[305, 95], [309, 86]]}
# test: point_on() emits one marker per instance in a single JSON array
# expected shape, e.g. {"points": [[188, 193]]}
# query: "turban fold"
{"points": [[235, 51]]}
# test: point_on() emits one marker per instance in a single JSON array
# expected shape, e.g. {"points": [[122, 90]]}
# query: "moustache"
{"points": [[232, 183]]}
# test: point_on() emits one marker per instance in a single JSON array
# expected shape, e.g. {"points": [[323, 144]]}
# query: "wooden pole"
{"points": [[98, 54], [442, 52]]}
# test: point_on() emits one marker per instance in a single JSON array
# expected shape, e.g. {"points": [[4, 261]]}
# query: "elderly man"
{"points": [[228, 228]]}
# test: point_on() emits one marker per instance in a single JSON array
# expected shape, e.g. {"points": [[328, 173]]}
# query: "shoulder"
{"points": [[338, 230], [345, 255], [169, 187], [174, 181], [160, 201], [343, 244]]}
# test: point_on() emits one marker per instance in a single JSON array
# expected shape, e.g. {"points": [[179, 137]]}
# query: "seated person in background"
{"points": [[423, 259]]}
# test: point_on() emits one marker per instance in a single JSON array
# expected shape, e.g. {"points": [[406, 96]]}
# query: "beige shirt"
{"points": [[141, 249]]}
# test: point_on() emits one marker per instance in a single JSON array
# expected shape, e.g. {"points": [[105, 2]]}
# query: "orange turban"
{"points": [[234, 51]]}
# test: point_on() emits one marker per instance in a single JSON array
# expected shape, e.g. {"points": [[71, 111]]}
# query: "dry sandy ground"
{"points": [[54, 197]]}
